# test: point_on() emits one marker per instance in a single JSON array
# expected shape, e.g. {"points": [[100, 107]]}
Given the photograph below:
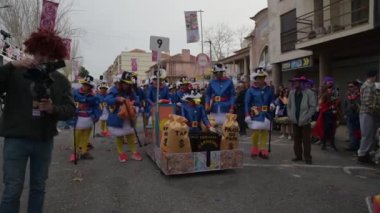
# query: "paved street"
{"points": [[334, 183]]}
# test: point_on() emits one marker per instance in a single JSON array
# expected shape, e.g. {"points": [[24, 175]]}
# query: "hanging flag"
{"points": [[48, 15], [192, 29], [67, 43], [134, 64]]}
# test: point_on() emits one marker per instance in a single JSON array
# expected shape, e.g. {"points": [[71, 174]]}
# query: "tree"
{"points": [[83, 72], [241, 33], [22, 18], [222, 40]]}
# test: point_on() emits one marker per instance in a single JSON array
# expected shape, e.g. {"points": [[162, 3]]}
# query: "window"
{"points": [[360, 12], [264, 60], [288, 31]]}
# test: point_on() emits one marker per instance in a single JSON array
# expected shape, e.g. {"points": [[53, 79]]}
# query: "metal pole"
{"points": [[200, 12]]}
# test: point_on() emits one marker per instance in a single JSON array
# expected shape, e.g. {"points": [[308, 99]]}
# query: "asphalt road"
{"points": [[334, 183]]}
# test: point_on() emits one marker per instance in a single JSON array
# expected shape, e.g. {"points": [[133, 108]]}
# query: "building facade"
{"points": [[135, 60], [179, 65], [343, 34], [286, 60]]}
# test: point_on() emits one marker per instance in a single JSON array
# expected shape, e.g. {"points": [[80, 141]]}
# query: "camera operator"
{"points": [[37, 97]]}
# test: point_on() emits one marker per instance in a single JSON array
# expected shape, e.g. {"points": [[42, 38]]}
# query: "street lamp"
{"points": [[5, 6]]}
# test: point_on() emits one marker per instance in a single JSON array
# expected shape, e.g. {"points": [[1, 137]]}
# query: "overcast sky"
{"points": [[116, 25]]}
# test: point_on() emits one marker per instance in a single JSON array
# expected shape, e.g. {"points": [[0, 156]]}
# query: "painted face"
{"points": [[260, 80], [219, 74]]}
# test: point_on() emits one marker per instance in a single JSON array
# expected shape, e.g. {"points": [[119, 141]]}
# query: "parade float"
{"points": [[176, 151]]}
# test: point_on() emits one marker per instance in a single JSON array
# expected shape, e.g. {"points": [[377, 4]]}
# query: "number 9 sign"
{"points": [[159, 44]]}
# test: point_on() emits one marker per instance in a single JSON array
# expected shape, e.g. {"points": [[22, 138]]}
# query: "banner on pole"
{"points": [[67, 43], [192, 28], [134, 64], [48, 15], [154, 55]]}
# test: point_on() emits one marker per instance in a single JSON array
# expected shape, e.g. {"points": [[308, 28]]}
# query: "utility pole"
{"points": [[210, 42], [200, 12]]}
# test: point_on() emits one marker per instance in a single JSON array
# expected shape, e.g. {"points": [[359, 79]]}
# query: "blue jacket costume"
{"points": [[261, 98], [195, 114], [113, 106], [87, 105], [152, 94], [101, 99], [222, 94]]}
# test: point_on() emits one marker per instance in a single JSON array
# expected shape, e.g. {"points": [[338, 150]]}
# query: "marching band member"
{"points": [[258, 103], [88, 112], [220, 95], [195, 113], [121, 102], [102, 93]]}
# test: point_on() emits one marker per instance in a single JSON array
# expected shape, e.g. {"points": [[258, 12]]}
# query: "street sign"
{"points": [[202, 60], [159, 44]]}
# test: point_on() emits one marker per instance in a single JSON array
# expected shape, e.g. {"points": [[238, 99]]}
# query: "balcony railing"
{"points": [[336, 17]]}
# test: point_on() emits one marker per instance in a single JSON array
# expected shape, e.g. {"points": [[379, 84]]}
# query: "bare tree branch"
{"points": [[23, 18]]}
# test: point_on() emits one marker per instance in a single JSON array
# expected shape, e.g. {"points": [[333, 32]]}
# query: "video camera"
{"points": [[41, 78]]}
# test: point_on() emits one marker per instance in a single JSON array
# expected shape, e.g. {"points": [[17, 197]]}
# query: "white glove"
{"points": [[248, 119], [179, 104], [212, 129]]}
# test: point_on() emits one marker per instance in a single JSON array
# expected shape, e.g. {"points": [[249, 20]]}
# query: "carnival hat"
{"points": [[219, 68], [126, 77], [193, 95], [103, 85], [300, 78], [172, 86], [328, 80], [183, 81], [259, 72], [161, 73], [89, 80]]}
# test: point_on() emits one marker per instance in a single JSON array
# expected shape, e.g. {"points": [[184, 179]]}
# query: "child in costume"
{"points": [[258, 104], [88, 113], [121, 102], [151, 97], [220, 95], [102, 93], [194, 112], [184, 89]]}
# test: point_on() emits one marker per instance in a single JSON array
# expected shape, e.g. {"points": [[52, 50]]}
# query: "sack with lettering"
{"points": [[175, 135], [230, 133]]}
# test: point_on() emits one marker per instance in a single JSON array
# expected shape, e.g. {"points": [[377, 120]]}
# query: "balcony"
{"points": [[327, 22]]}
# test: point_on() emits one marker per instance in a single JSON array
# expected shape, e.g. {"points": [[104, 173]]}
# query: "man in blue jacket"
{"points": [[87, 114], [258, 104], [220, 95], [123, 95]]}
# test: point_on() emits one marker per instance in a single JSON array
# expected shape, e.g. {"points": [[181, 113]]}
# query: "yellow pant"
{"points": [[82, 137], [260, 139], [130, 140], [103, 126]]}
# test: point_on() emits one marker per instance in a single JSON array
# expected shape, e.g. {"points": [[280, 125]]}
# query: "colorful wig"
{"points": [[47, 44]]}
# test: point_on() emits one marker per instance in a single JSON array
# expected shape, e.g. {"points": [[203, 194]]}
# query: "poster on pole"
{"points": [[192, 27], [134, 64], [48, 15]]}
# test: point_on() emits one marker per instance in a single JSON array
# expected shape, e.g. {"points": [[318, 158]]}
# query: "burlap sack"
{"points": [[127, 110], [175, 137], [230, 133], [212, 122]]}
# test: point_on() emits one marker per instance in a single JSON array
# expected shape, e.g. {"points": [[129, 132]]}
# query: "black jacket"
{"points": [[17, 120]]}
